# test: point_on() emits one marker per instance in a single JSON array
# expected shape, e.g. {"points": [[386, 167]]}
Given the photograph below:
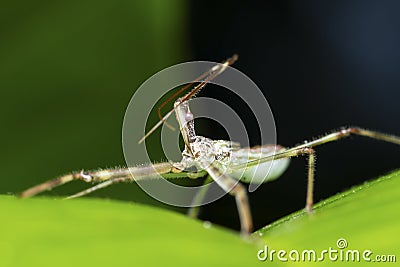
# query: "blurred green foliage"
{"points": [[67, 72]]}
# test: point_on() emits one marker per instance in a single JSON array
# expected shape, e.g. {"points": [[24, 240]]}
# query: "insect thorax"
{"points": [[204, 151]]}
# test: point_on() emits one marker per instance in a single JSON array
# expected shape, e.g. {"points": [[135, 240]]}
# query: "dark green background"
{"points": [[67, 73]]}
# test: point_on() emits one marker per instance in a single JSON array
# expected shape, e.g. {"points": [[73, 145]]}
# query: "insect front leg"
{"points": [[127, 175], [104, 177], [49, 185]]}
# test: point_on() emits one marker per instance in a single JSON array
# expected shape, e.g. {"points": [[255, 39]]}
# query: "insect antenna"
{"points": [[208, 75]]}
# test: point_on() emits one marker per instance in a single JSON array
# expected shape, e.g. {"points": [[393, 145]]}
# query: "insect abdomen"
{"points": [[263, 172]]}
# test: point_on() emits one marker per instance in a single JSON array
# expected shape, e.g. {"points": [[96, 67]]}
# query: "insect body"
{"points": [[262, 172], [225, 162]]}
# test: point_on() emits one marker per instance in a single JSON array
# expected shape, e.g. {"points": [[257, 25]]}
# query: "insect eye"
{"points": [[85, 176], [189, 116]]}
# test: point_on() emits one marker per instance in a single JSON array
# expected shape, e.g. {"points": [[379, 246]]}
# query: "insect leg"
{"points": [[101, 185], [48, 185], [344, 132], [347, 131], [133, 174], [288, 153], [233, 187], [99, 176], [193, 211]]}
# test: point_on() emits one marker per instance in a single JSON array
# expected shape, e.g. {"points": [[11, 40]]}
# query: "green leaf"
{"points": [[366, 216], [95, 232], [98, 232]]}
